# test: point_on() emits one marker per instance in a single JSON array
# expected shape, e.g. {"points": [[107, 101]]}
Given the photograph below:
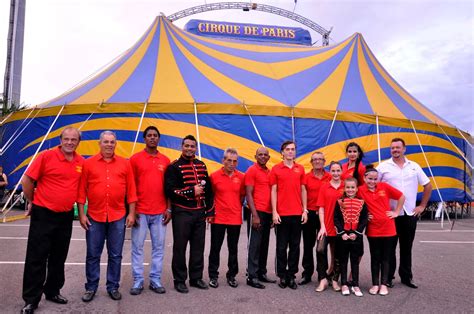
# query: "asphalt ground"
{"points": [[443, 269]]}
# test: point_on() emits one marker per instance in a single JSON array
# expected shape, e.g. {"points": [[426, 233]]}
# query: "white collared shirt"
{"points": [[405, 179]]}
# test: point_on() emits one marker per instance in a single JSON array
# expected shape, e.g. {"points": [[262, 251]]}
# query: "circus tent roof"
{"points": [[171, 66]]}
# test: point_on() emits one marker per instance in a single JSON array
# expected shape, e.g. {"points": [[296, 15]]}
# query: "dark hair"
{"points": [[335, 163], [370, 168], [358, 160], [398, 139], [285, 144], [188, 137], [151, 127]]}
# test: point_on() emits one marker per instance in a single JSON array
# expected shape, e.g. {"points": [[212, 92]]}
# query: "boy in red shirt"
{"points": [[289, 212], [228, 187]]}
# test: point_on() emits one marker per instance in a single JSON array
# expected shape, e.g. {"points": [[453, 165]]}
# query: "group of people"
{"points": [[330, 210]]}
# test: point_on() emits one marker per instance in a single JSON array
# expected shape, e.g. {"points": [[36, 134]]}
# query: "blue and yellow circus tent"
{"points": [[245, 94]]}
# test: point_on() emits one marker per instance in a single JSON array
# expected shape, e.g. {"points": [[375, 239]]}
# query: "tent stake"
{"points": [[197, 130], [254, 126], [139, 127], [330, 129], [432, 175], [32, 158]]}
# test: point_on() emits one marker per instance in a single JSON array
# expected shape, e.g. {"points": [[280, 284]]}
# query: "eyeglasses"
{"points": [[318, 159]]}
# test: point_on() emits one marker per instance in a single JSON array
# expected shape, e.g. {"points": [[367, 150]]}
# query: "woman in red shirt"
{"points": [[354, 155], [328, 195], [381, 231]]}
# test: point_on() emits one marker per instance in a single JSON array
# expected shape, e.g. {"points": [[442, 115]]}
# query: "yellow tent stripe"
{"points": [[326, 96], [209, 136], [110, 85], [168, 85], [276, 70], [381, 104], [407, 97], [228, 85]]}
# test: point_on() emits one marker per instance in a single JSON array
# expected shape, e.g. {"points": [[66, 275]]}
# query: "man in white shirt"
{"points": [[405, 175]]}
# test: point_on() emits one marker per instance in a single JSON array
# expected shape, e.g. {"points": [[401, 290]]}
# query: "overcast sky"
{"points": [[427, 46]]}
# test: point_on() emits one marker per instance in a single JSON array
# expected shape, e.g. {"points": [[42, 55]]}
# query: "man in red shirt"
{"points": [[55, 172], [289, 211], [314, 180], [107, 183], [257, 188], [153, 211], [228, 187]]}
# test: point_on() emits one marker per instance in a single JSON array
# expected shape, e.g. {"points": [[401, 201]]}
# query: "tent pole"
{"points": [[197, 129], [432, 175], [32, 158], [88, 118], [254, 126], [139, 127], [14, 135], [332, 125], [468, 143], [293, 123], [459, 151], [378, 137]]}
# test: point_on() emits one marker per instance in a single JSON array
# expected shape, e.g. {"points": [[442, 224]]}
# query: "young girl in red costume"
{"points": [[350, 219], [328, 195], [381, 231]]}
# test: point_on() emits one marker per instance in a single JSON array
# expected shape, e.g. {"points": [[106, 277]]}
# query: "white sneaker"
{"points": [[357, 292], [345, 290]]}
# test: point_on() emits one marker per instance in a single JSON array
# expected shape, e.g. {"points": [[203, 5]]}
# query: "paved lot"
{"points": [[443, 267]]}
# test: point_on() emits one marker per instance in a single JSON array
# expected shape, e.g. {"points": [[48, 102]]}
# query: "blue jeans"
{"points": [[98, 233], [157, 235]]}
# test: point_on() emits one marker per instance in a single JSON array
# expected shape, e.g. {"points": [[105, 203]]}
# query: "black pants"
{"points": [[406, 229], [258, 246], [46, 253], [218, 232], [381, 251], [288, 236], [310, 232], [349, 249], [322, 259], [188, 226]]}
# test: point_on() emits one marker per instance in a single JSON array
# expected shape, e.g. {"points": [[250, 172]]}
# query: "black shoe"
{"points": [[181, 287], [292, 284], [157, 289], [213, 283], [29, 308], [115, 295], [390, 284], [59, 299], [232, 282], [253, 282], [304, 280], [264, 278], [282, 284], [199, 283], [136, 291], [409, 283], [88, 296]]}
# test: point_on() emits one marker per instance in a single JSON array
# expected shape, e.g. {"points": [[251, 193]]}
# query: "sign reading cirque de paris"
{"points": [[291, 35]]}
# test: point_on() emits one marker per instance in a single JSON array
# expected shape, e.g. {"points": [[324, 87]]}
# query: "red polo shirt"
{"points": [[349, 173], [259, 178], [57, 179], [328, 195], [289, 182], [378, 204], [105, 184], [313, 185], [149, 171], [228, 192]]}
